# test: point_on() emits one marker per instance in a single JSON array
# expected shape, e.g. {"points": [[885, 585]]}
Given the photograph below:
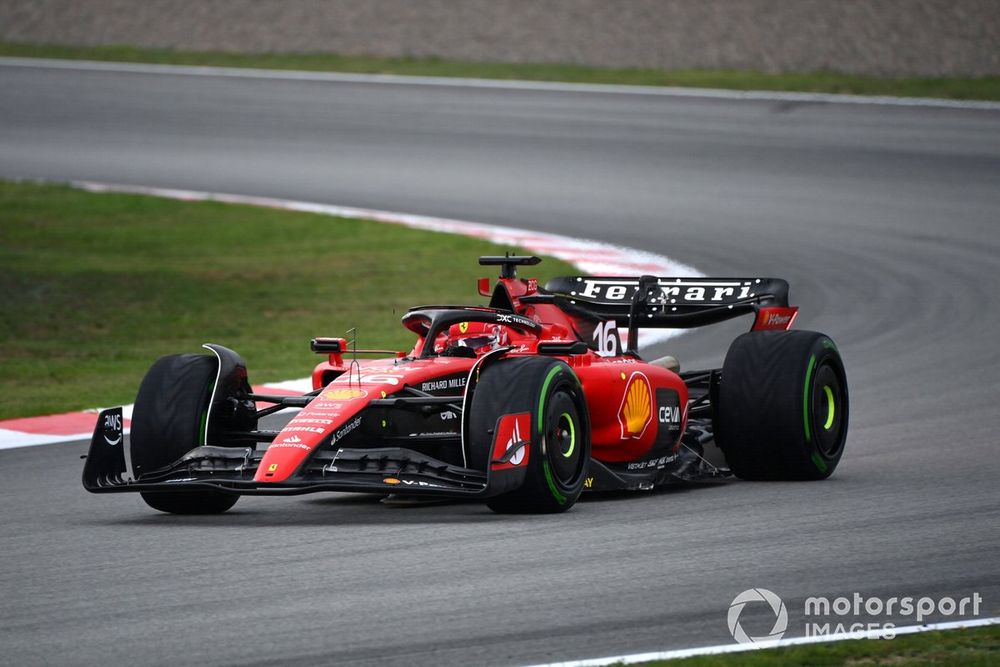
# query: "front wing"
{"points": [[231, 469]]}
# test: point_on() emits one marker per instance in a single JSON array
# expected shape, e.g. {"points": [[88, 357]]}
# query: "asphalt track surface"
{"points": [[884, 219]]}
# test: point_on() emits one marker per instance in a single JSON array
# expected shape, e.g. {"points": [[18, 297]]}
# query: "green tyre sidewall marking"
{"points": [[202, 431], [806, 393], [541, 398], [818, 461], [550, 480], [202, 436]]}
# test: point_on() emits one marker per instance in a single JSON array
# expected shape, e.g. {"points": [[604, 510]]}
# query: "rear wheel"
{"points": [[550, 394], [783, 407], [168, 421]]}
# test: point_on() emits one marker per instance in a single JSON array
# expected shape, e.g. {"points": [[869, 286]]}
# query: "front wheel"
{"points": [[782, 407], [538, 401], [190, 502], [169, 420]]}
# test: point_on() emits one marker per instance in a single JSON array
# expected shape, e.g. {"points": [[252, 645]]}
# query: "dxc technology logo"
{"points": [[757, 595]]}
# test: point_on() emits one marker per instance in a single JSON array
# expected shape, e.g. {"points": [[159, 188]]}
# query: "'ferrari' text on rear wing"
{"points": [[650, 301], [682, 291]]}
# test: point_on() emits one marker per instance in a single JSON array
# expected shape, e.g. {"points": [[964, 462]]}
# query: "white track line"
{"points": [[499, 84], [592, 257], [774, 643]]}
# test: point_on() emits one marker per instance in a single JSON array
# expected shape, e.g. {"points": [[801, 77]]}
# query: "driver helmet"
{"points": [[479, 337]]}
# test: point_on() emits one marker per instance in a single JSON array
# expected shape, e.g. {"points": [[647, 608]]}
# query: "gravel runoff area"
{"points": [[911, 38]]}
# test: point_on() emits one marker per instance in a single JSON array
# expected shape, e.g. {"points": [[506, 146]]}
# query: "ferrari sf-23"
{"points": [[522, 404]]}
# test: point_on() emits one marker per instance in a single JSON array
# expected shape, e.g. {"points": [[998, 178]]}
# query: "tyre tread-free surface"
{"points": [[770, 401], [167, 416], [168, 421]]}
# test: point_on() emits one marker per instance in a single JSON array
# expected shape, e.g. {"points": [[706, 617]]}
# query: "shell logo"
{"points": [[344, 394], [636, 410]]}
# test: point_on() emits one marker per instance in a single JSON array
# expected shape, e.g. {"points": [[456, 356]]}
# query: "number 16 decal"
{"points": [[608, 343]]}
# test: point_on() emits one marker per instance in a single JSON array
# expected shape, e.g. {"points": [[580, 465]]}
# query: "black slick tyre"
{"points": [[190, 502], [549, 391], [168, 421], [782, 409]]}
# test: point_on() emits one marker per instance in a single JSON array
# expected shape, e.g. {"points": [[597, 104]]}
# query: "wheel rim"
{"points": [[562, 439], [566, 432], [828, 410]]}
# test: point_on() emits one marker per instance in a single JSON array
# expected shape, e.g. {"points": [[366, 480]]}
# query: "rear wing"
{"points": [[673, 303]]}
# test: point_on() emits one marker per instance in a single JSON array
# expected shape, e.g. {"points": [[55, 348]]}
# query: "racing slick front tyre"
{"points": [[190, 502], [559, 432], [168, 421], [782, 407]]}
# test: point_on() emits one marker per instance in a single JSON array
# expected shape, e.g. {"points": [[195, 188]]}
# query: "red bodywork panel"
{"points": [[775, 318], [636, 408], [336, 409], [512, 429], [625, 415]]}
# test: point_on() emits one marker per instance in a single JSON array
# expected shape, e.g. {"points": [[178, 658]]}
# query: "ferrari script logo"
{"points": [[636, 410]]}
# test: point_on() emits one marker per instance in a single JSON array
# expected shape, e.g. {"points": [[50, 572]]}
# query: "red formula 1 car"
{"points": [[524, 404]]}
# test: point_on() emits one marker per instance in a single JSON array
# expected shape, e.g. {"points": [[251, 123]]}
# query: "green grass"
{"points": [[983, 88], [974, 647], [97, 286]]}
